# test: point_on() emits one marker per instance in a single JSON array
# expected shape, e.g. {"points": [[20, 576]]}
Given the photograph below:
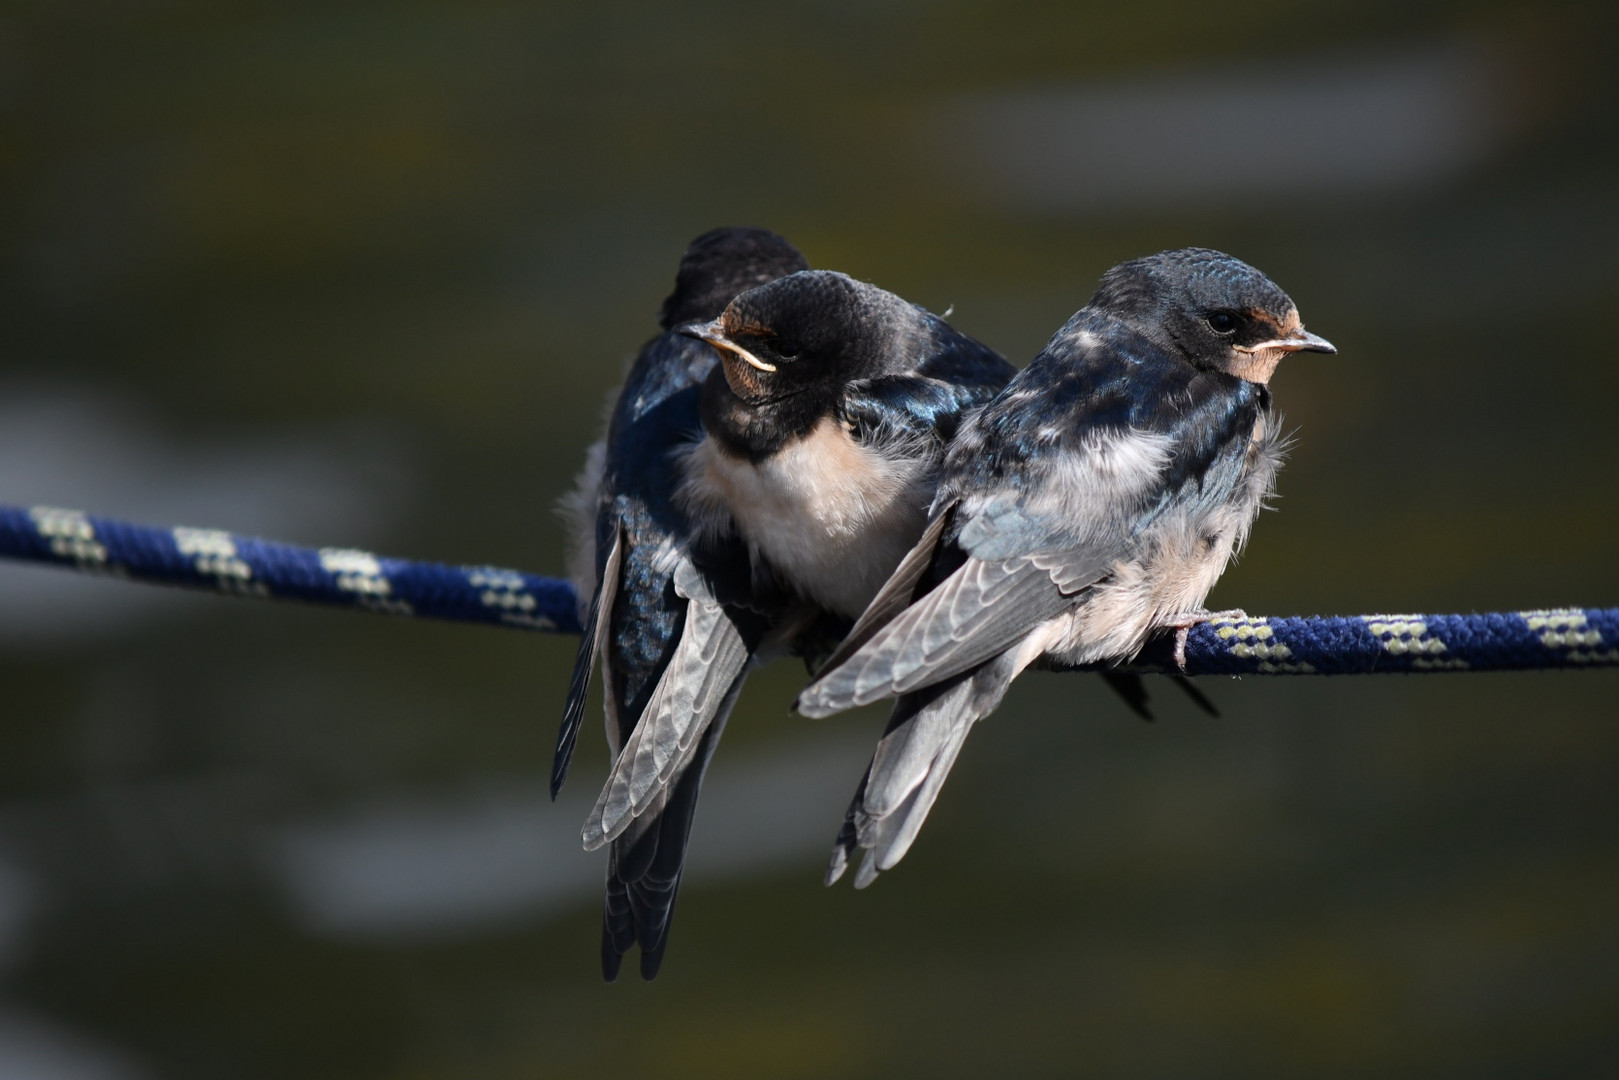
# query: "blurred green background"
{"points": [[363, 274]]}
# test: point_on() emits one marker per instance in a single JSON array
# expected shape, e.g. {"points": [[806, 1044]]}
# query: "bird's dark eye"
{"points": [[1222, 322]]}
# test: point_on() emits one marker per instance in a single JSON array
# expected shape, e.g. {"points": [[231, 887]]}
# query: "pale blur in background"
{"points": [[363, 275]]}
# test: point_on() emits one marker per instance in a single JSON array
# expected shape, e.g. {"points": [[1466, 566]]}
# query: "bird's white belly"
{"points": [[829, 516], [1173, 570]]}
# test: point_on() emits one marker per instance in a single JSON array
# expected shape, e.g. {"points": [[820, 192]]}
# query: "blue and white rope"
{"points": [[244, 566], [1409, 644]]}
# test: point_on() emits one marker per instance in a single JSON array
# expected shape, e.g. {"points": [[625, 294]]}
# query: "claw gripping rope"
{"points": [[342, 577]]}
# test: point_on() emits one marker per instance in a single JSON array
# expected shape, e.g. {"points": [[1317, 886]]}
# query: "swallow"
{"points": [[649, 583], [825, 422], [1096, 500]]}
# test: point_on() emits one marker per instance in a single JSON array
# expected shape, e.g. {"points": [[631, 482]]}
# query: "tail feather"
{"points": [[900, 831], [921, 724], [925, 734], [847, 843], [645, 865], [618, 924]]}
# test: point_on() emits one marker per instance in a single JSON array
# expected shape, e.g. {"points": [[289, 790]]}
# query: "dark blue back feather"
{"points": [[1079, 388]]}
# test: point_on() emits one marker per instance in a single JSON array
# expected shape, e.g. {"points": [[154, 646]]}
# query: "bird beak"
{"points": [[714, 334], [1300, 340]]}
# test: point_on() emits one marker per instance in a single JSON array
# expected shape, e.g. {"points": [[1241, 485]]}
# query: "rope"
{"points": [[244, 566]]}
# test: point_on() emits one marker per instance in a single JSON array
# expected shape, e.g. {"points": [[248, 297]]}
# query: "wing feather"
{"points": [[979, 611], [592, 643], [925, 735], [709, 658]]}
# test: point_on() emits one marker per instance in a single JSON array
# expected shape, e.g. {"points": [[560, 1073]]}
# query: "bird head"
{"points": [[722, 263], [814, 330], [1217, 311]]}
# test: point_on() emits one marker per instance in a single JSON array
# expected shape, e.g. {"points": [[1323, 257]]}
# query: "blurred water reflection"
{"points": [[343, 274]]}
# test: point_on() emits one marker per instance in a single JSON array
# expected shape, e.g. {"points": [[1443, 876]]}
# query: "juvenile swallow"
{"points": [[824, 422], [825, 425], [649, 583], [1097, 499]]}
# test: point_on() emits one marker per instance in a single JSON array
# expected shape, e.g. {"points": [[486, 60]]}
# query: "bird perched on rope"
{"points": [[1097, 499], [825, 422], [648, 584]]}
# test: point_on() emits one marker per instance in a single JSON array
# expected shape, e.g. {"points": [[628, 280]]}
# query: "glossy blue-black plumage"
{"points": [[960, 377], [833, 346], [657, 412], [831, 413], [640, 536], [1072, 394]]}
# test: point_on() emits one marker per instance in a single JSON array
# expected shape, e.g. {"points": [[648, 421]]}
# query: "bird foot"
{"points": [[1182, 625]]}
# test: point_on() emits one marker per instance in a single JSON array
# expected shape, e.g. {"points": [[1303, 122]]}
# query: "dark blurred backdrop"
{"points": [[363, 274]]}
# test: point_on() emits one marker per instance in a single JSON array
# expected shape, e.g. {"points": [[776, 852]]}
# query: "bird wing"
{"points": [[979, 611], [1057, 481], [591, 643], [711, 655], [916, 406]]}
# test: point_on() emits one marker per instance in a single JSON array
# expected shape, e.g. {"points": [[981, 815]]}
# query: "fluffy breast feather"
{"points": [[1083, 494], [829, 516], [1178, 562]]}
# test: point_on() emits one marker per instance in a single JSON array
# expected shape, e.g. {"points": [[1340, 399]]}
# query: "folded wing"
{"points": [[592, 642], [709, 658]]}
